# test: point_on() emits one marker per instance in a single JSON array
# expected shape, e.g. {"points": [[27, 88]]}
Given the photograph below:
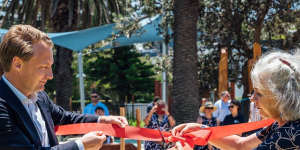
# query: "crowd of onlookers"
{"points": [[225, 111]]}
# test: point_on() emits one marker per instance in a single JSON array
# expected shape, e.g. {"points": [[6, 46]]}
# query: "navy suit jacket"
{"points": [[17, 131]]}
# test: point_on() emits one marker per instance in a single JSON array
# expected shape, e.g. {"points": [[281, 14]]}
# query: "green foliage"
{"points": [[237, 25], [119, 74], [133, 122]]}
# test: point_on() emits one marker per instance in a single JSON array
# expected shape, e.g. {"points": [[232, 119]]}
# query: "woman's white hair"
{"points": [[279, 73]]}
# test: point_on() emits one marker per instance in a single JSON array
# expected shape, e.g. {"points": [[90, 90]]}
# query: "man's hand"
{"points": [[93, 140], [118, 120]]}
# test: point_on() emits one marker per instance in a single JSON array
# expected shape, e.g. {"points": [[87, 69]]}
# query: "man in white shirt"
{"points": [[222, 107], [27, 115]]}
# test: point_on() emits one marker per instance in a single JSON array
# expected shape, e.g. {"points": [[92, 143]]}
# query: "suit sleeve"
{"points": [[66, 146], [61, 116]]}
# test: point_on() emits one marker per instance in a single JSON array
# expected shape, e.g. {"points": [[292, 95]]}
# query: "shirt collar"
{"points": [[18, 93]]}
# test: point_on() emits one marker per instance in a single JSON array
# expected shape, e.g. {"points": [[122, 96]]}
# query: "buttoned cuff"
{"points": [[79, 144]]}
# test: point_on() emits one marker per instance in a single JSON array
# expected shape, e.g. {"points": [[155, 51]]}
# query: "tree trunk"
{"points": [[66, 11], [185, 84]]}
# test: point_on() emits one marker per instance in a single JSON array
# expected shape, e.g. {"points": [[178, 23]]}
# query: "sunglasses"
{"points": [[209, 108], [230, 106], [94, 96]]}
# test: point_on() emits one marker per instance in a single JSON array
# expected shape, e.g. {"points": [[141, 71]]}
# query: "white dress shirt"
{"points": [[222, 110]]}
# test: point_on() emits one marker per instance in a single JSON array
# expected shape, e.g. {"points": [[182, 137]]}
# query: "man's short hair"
{"points": [[18, 42]]}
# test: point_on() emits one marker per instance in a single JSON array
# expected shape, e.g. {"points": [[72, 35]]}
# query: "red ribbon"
{"points": [[199, 137]]}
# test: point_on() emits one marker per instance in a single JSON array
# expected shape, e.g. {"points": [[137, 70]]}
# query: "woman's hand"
{"points": [[154, 109], [186, 128]]}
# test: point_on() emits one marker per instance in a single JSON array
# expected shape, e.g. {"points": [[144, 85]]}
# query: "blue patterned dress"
{"points": [[154, 123], [209, 122], [274, 137]]}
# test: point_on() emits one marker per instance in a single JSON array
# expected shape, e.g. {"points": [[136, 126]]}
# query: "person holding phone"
{"points": [[158, 118]]}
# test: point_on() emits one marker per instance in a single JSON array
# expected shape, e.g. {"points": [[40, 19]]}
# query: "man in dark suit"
{"points": [[27, 115]]}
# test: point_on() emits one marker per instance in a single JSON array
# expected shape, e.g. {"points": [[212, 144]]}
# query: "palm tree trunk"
{"points": [[64, 19], [185, 81]]}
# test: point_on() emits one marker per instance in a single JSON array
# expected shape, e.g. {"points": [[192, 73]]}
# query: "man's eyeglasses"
{"points": [[231, 106], [94, 96]]}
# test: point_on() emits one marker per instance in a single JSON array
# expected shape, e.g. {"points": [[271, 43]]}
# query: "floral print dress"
{"points": [[163, 125], [209, 122], [274, 137]]}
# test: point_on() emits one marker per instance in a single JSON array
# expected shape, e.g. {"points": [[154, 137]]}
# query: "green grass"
{"points": [[132, 122]]}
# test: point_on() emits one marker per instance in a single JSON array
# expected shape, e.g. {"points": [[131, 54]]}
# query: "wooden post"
{"points": [[138, 124], [251, 62], [250, 65], [122, 140], [256, 51], [223, 71]]}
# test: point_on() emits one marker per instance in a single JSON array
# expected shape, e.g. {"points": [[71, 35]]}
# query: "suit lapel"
{"points": [[14, 103], [45, 113]]}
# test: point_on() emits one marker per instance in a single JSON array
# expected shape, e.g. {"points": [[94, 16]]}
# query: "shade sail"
{"points": [[78, 40]]}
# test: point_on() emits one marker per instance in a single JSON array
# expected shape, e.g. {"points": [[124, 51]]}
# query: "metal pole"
{"points": [[164, 74], [81, 81]]}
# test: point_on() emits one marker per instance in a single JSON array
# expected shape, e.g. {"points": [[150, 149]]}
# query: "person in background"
{"points": [[276, 83], [203, 101], [153, 103], [158, 118], [100, 112], [207, 119], [222, 107], [254, 114], [90, 108], [235, 117]]}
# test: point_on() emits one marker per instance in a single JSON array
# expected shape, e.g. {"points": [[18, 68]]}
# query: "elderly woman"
{"points": [[207, 119], [276, 81]]}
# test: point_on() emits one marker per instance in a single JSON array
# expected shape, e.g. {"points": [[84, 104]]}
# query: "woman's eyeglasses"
{"points": [[231, 106]]}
